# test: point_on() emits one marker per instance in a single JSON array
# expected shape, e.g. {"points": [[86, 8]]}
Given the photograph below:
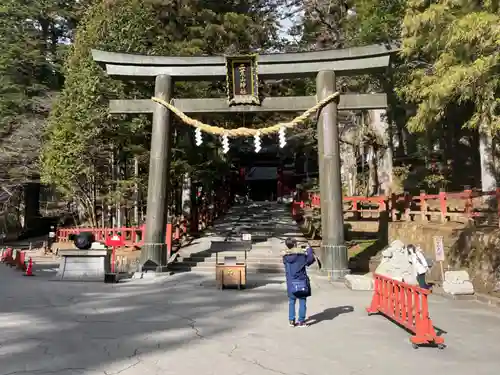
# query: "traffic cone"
{"points": [[29, 269]]}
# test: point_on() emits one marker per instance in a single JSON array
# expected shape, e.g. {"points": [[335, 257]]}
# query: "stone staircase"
{"points": [[268, 223], [261, 259]]}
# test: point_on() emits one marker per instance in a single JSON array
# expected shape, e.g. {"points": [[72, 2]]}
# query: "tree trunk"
{"points": [[31, 204], [137, 191], [486, 153], [380, 126], [373, 184], [111, 212], [186, 196]]}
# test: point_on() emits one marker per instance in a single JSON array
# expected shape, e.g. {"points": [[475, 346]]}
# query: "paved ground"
{"points": [[181, 324]]}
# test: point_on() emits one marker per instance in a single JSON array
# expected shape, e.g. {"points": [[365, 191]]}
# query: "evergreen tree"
{"points": [[375, 21], [453, 50], [82, 136], [454, 47], [32, 37]]}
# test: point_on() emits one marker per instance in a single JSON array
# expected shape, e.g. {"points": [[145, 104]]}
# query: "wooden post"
{"points": [[333, 250], [407, 206], [423, 205], [394, 200], [443, 205], [468, 202], [153, 252]]}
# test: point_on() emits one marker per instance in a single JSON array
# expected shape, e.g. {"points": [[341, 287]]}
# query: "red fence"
{"points": [[443, 206], [176, 231], [408, 306]]}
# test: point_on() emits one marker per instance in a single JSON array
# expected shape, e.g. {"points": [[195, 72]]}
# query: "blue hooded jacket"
{"points": [[295, 268]]}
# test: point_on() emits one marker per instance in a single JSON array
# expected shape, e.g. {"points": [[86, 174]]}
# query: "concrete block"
{"points": [[457, 283], [456, 277], [359, 282], [83, 265]]}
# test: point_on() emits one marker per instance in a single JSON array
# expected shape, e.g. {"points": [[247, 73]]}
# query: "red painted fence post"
{"points": [[394, 202], [468, 201], [168, 237], [423, 206], [442, 204], [407, 206]]}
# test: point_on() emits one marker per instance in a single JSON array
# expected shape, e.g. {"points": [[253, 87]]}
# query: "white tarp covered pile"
{"points": [[396, 264]]}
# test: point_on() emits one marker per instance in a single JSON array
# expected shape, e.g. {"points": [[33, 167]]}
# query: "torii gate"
{"points": [[324, 65]]}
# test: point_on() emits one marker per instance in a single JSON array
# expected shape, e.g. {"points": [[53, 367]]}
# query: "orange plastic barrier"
{"points": [[6, 255], [21, 261], [407, 305]]}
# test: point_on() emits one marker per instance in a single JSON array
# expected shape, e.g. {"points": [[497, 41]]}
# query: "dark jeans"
{"points": [[421, 281], [302, 308]]}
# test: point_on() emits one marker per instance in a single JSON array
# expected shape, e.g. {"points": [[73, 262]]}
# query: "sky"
{"points": [[287, 23], [285, 26]]}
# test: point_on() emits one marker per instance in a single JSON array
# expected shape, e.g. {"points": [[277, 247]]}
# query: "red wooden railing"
{"points": [[131, 236], [408, 306], [407, 207], [175, 231]]}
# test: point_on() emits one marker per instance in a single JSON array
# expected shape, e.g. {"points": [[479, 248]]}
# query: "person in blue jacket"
{"points": [[297, 282]]}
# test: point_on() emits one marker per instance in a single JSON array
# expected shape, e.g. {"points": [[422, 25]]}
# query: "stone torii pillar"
{"points": [[333, 249], [154, 251]]}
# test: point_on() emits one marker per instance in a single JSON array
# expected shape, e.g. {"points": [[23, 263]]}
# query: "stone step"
{"points": [[240, 257], [210, 268], [250, 271], [190, 261], [250, 255]]}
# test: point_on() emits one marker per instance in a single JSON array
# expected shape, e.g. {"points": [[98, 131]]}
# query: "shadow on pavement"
{"points": [[252, 283], [329, 314], [69, 328]]}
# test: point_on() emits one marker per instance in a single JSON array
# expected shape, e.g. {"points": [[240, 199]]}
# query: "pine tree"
{"points": [[453, 48], [82, 136], [32, 34]]}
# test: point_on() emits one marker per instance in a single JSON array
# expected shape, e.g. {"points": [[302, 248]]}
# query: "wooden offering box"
{"points": [[231, 272], [227, 275]]}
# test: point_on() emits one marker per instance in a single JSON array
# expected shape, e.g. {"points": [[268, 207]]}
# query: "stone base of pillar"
{"points": [[153, 255], [335, 261], [338, 275]]}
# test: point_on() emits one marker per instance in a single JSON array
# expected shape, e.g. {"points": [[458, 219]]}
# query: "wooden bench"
{"points": [[231, 271]]}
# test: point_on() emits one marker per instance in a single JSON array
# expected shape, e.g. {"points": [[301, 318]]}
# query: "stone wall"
{"points": [[478, 251], [474, 249], [423, 234]]}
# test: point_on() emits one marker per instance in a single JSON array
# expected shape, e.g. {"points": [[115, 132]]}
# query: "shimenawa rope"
{"points": [[245, 132]]}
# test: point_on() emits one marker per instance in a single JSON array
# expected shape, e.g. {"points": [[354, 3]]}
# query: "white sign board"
{"points": [[115, 238], [439, 248], [246, 237]]}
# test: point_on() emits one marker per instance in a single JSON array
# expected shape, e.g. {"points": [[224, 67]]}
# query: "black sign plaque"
{"points": [[242, 80]]}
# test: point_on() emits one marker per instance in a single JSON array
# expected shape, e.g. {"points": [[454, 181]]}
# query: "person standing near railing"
{"points": [[420, 265]]}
